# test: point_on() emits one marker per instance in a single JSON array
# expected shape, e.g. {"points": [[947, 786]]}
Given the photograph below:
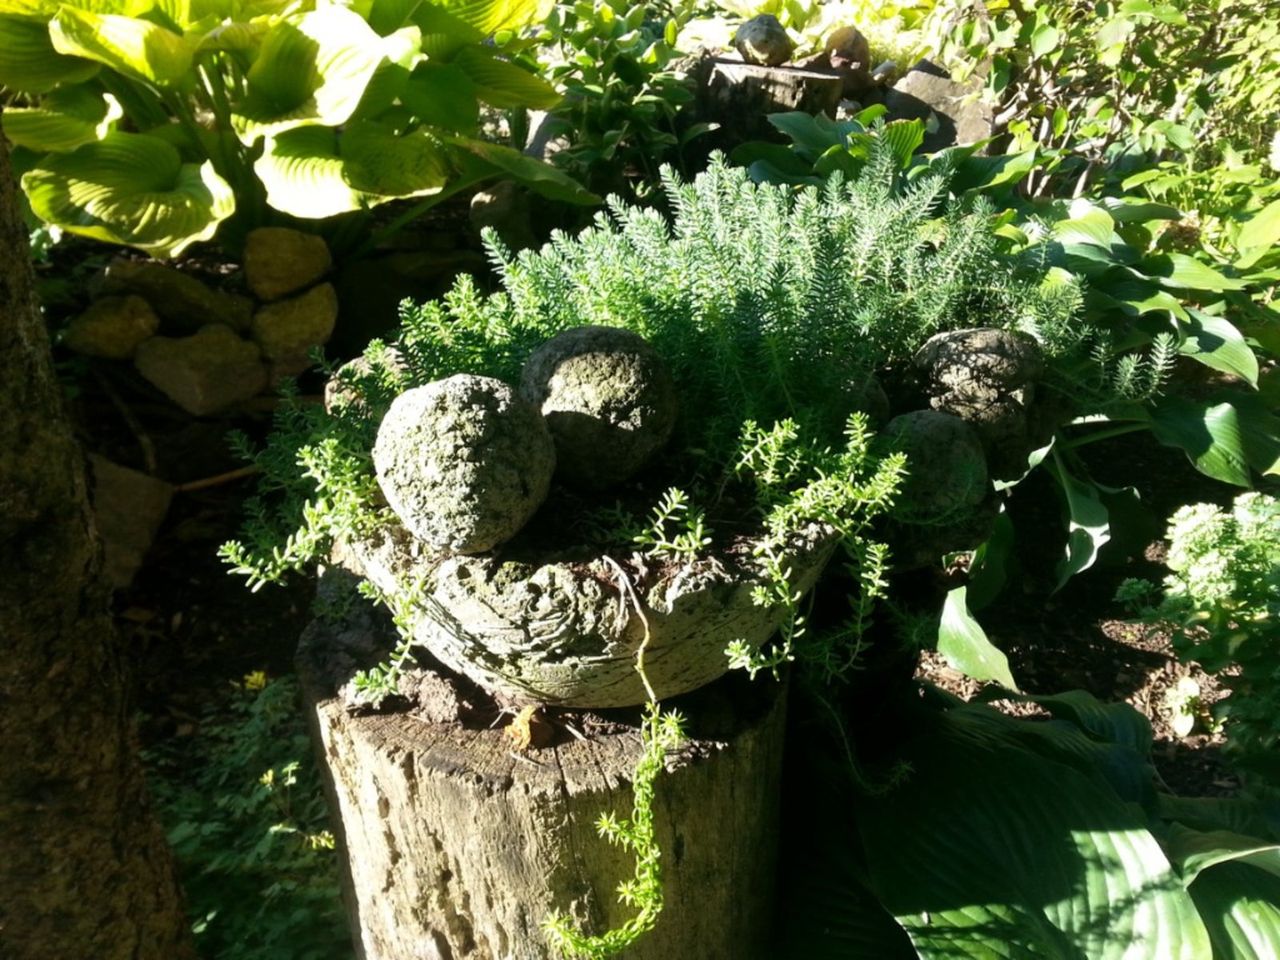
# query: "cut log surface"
{"points": [[458, 846]]}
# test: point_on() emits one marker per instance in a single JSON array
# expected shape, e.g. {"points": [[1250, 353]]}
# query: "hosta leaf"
{"points": [[311, 71], [503, 84], [378, 161], [1179, 271], [489, 16], [1258, 235], [1222, 439], [28, 61], [965, 646], [303, 174], [42, 10], [442, 96], [1087, 224], [1088, 523], [1240, 904], [128, 45], [132, 189], [904, 137], [538, 176], [990, 849], [1215, 342], [65, 119], [1194, 851]]}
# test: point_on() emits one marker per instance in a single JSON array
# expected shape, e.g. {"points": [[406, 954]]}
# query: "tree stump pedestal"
{"points": [[458, 845]]}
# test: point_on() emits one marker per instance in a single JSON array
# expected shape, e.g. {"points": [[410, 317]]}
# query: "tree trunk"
{"points": [[84, 867], [458, 846]]}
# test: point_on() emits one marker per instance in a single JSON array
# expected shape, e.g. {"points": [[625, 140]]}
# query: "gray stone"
{"points": [[204, 373], [764, 41], [608, 398], [946, 468], [954, 112], [112, 327], [988, 378], [129, 507], [505, 207], [288, 329], [463, 462], [279, 261], [848, 53], [184, 303], [341, 389]]}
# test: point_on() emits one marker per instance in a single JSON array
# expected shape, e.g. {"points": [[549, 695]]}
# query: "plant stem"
{"points": [[1116, 431]]}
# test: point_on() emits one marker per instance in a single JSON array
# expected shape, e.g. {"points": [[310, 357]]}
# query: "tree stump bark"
{"points": [[458, 846], [739, 96]]}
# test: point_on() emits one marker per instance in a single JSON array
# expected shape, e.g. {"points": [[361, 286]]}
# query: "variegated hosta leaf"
{"points": [[28, 61], [136, 48], [133, 189], [67, 118], [314, 70], [310, 173]]}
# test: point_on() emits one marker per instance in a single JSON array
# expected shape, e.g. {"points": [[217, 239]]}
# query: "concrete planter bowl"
{"points": [[564, 628]]}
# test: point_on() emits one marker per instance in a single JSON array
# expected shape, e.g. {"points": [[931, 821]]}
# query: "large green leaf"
{"points": [[1240, 905], [1258, 235], [43, 10], [382, 162], [1088, 523], [1215, 342], [538, 176], [503, 84], [990, 849], [137, 48], [1194, 851], [487, 17], [303, 174], [314, 70], [1181, 272], [965, 646], [313, 172], [133, 189], [65, 119], [28, 61], [442, 96], [1222, 436]]}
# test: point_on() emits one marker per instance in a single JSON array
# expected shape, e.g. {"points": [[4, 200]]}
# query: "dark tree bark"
{"points": [[84, 867]]}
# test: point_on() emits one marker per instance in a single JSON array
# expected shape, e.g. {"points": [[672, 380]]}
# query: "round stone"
{"points": [[946, 468], [608, 398], [763, 40], [463, 462]]}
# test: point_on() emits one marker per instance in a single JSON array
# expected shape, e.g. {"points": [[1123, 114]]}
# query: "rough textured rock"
{"points": [[946, 502], [112, 327], [955, 110], [505, 207], [988, 378], [764, 41], [946, 468], [204, 373], [455, 847], [340, 389], [608, 398], [848, 53], [183, 302], [564, 627], [279, 261], [463, 462], [288, 329], [129, 507]]}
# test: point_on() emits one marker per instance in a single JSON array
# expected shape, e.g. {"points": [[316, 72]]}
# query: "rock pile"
{"points": [[208, 349]]}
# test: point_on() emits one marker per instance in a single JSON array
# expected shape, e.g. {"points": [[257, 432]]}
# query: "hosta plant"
{"points": [[151, 123]]}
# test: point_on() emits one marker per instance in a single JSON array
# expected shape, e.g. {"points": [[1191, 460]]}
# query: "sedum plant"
{"points": [[1221, 602], [151, 123]]}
